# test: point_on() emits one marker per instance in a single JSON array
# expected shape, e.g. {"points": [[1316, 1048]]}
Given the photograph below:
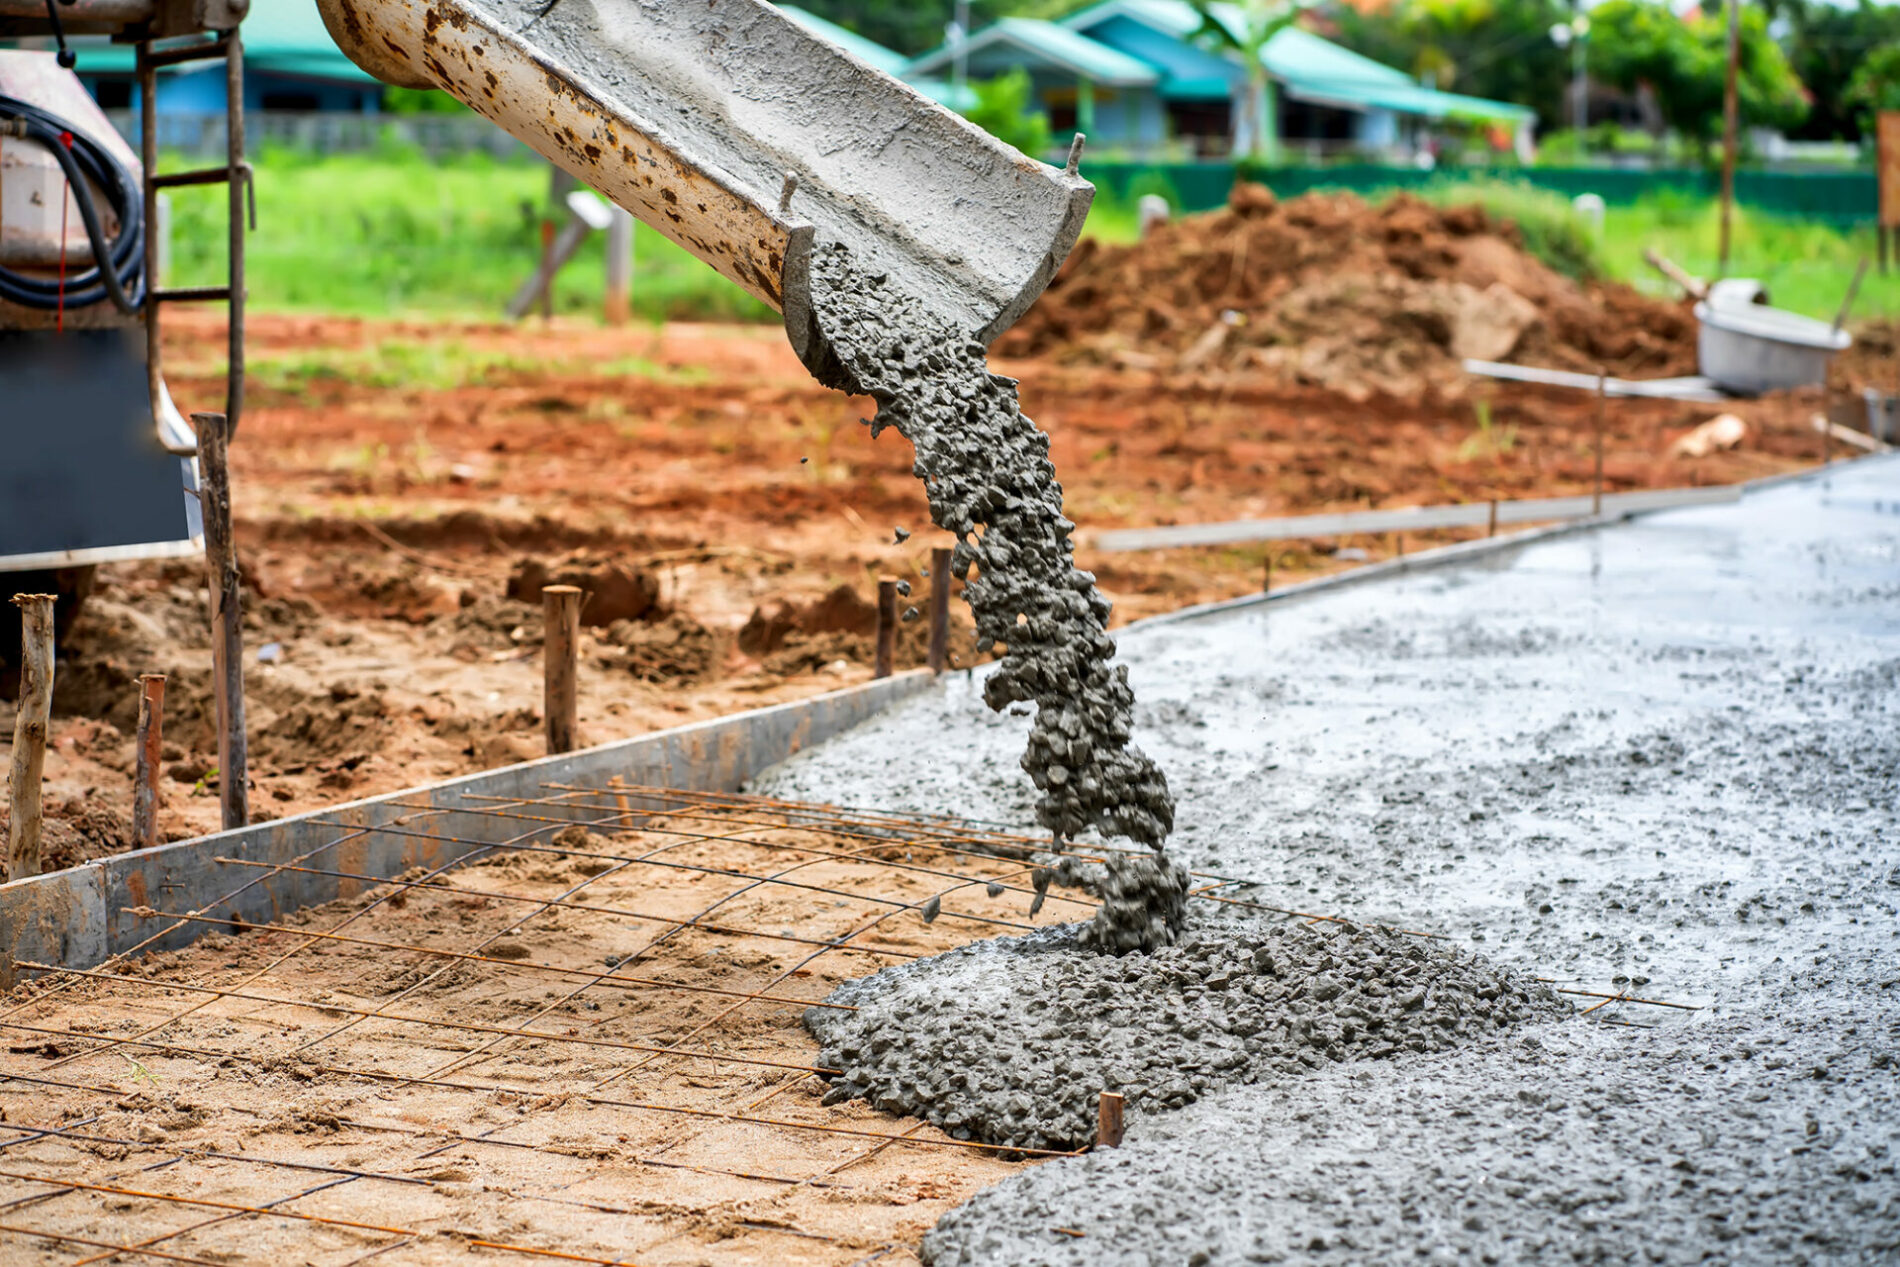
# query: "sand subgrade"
{"points": [[985, 466], [1011, 1041]]}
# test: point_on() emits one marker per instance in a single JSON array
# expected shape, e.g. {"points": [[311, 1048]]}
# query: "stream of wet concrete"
{"points": [[1661, 758], [987, 474]]}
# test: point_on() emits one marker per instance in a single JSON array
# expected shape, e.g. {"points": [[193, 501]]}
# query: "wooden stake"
{"points": [[1603, 404], [939, 609], [29, 734], [619, 299], [1266, 572], [149, 750], [227, 630], [1491, 529], [1730, 110], [886, 627], [1108, 1120], [561, 614]]}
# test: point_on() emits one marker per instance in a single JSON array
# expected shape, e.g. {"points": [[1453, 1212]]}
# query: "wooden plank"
{"points": [[30, 726], [1887, 149], [1411, 518], [227, 618], [1694, 388]]}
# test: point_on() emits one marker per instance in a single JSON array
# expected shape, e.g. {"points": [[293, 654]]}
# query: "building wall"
{"points": [[202, 91]]}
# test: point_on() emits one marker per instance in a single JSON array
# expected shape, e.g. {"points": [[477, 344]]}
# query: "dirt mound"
{"points": [[1330, 291], [676, 650], [610, 591], [795, 638]]}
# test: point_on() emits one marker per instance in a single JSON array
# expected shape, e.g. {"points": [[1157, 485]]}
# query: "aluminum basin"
{"points": [[1751, 348]]}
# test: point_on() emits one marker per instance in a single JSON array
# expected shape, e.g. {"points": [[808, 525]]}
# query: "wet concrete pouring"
{"points": [[1657, 759], [987, 471]]}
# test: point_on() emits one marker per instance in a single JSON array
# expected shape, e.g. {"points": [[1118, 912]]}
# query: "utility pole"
{"points": [[1579, 78], [960, 56], [1730, 109]]}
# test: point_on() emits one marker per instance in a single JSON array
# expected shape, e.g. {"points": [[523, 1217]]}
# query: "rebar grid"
{"points": [[172, 1020], [785, 887]]}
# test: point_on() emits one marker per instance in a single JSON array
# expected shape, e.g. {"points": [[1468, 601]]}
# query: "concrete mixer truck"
{"points": [[721, 123]]}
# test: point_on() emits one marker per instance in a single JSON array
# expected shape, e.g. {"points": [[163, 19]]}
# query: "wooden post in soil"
{"points": [[1603, 398], [939, 610], [619, 296], [1491, 525], [150, 746], [886, 659], [1108, 1120], [560, 704], [29, 734], [227, 629]]}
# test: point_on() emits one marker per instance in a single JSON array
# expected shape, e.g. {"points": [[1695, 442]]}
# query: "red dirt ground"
{"points": [[390, 477]]}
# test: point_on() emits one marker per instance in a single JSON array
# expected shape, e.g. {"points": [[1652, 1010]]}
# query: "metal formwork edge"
{"points": [[77, 917]]}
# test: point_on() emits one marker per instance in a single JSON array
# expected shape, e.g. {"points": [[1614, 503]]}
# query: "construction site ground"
{"points": [[395, 480]]}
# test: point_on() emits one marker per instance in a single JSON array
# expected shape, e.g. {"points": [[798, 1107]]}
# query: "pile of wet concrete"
{"points": [[1011, 1041]]}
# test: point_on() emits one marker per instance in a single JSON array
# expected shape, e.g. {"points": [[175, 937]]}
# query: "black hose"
{"points": [[121, 278]]}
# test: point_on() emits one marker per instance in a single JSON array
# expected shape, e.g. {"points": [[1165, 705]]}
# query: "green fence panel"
{"points": [[1840, 197]]}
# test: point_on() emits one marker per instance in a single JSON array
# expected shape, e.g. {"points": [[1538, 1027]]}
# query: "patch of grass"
{"points": [[380, 234], [395, 233], [431, 365]]}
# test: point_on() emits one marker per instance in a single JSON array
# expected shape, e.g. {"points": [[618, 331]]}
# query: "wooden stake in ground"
{"points": [[1108, 1120], [227, 630], [149, 749], [29, 734], [619, 298], [1730, 108], [561, 614], [886, 627], [939, 610]]}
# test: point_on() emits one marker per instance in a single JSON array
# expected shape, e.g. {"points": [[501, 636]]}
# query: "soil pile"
{"points": [[1330, 291], [988, 477], [1010, 1041]]}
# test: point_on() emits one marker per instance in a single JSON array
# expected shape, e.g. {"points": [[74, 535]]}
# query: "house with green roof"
{"points": [[290, 63], [1133, 75]]}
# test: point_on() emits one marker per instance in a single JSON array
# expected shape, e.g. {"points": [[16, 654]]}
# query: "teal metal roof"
{"points": [[1309, 67], [286, 37], [888, 60], [1293, 54], [1053, 44]]}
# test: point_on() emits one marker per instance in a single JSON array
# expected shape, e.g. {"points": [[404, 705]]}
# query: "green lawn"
{"points": [[394, 234]]}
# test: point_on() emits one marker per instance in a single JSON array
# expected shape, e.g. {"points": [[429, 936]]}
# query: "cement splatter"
{"points": [[986, 467], [1010, 1041]]}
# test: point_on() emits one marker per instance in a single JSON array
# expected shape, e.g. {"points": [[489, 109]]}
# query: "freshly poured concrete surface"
{"points": [[1665, 756]]}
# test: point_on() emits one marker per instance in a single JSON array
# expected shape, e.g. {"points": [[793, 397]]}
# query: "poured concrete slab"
{"points": [[1659, 758]]}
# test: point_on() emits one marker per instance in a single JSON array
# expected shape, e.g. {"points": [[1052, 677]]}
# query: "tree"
{"points": [[1827, 44], [917, 26], [1245, 30], [1005, 107], [1500, 49], [1875, 85], [1637, 43]]}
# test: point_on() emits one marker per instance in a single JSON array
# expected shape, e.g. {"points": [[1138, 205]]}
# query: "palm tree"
{"points": [[1245, 28]]}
